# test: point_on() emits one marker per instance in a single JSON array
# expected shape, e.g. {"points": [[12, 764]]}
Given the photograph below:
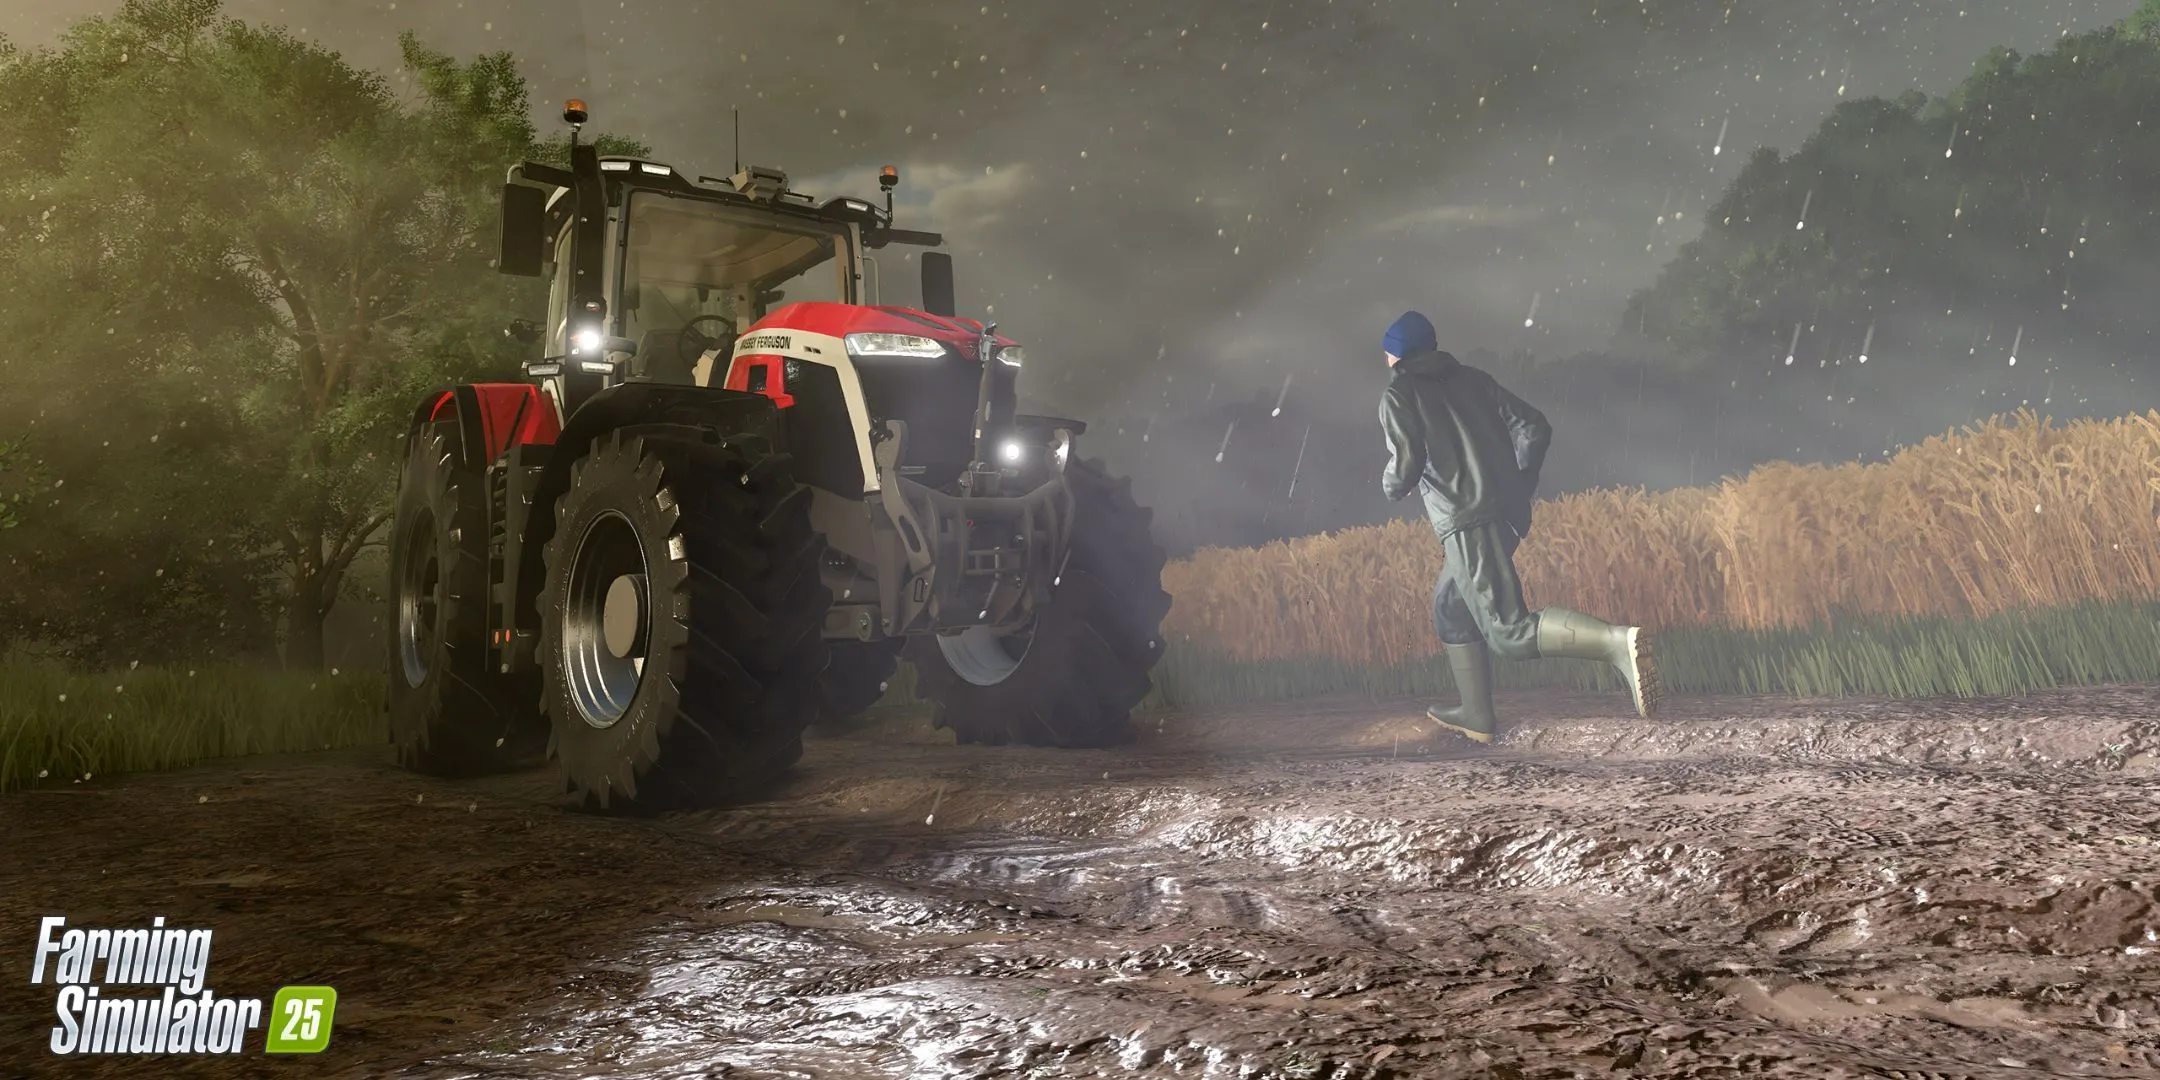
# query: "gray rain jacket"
{"points": [[1455, 434]]}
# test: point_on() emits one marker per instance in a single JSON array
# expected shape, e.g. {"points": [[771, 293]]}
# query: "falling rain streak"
{"points": [[1792, 348], [1867, 343], [1719, 148], [1282, 396], [2015, 344], [1225, 442], [1532, 319], [1298, 468], [1148, 430], [1804, 205]]}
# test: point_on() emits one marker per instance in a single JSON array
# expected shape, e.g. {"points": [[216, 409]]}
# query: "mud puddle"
{"points": [[1312, 890]]}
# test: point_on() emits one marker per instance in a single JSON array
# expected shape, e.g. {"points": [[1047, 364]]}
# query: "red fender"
{"points": [[508, 414]]}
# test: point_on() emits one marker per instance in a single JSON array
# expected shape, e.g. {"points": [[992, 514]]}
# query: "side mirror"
{"points": [[524, 230], [937, 284], [524, 331]]}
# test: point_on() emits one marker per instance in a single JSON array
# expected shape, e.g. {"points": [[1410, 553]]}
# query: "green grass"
{"points": [[2012, 653], [57, 726]]}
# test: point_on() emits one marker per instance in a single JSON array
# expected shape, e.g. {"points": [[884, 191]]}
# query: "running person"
{"points": [[1474, 450]]}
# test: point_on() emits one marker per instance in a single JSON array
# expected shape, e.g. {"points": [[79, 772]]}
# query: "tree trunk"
{"points": [[304, 624]]}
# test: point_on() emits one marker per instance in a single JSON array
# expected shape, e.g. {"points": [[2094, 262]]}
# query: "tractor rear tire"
{"points": [[1077, 678], [857, 678], [451, 713], [682, 617]]}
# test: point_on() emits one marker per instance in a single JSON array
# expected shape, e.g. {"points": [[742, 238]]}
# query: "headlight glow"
{"points": [[894, 345], [1011, 450], [586, 340], [1011, 355]]}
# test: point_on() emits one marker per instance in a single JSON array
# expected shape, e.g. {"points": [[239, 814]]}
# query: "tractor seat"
{"points": [[659, 358]]}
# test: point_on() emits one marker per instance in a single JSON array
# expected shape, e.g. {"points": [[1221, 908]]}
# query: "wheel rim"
{"points": [[983, 656], [419, 600], [601, 671]]}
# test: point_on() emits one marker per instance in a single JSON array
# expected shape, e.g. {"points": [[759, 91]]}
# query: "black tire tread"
{"points": [[467, 719], [1095, 645], [737, 673], [856, 679]]}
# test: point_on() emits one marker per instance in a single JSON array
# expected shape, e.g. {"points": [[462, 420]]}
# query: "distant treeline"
{"points": [[2026, 198]]}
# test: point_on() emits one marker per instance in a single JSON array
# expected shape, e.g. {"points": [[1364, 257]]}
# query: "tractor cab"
{"points": [[658, 278], [669, 272]]}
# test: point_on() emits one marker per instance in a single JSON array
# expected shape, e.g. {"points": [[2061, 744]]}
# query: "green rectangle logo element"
{"points": [[300, 1020]]}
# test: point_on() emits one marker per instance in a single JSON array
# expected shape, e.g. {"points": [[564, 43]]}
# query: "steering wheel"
{"points": [[692, 335]]}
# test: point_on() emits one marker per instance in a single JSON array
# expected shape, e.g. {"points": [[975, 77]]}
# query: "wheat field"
{"points": [[2014, 513]]}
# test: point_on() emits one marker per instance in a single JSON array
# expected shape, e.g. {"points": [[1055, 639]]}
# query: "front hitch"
{"points": [[971, 560]]}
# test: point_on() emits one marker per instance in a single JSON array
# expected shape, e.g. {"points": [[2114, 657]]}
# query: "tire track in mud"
{"points": [[1751, 888], [1787, 914]]}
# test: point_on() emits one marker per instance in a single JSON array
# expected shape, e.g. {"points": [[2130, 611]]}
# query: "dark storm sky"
{"points": [[1244, 188]]}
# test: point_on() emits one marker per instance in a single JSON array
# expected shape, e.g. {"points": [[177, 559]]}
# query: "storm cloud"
{"points": [[1179, 203]]}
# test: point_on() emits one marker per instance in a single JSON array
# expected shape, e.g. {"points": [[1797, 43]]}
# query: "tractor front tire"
{"points": [[451, 714], [1075, 679], [859, 675], [682, 613]]}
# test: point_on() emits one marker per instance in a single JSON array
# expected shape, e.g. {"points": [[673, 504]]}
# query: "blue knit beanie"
{"points": [[1411, 333]]}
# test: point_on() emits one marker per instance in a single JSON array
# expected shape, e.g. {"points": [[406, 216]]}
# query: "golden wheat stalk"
{"points": [[2009, 513]]}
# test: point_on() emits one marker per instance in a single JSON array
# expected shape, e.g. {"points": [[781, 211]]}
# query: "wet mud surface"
{"points": [[1748, 887]]}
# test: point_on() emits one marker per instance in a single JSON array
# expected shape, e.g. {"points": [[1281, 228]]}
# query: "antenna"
{"points": [[738, 139]]}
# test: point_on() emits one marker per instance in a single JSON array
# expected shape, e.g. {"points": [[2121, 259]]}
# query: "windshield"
{"points": [[688, 258]]}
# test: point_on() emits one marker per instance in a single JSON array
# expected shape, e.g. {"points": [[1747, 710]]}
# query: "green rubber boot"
{"points": [[1472, 665], [1574, 635]]}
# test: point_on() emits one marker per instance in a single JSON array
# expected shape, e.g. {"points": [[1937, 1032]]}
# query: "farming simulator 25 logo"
{"points": [[186, 1018]]}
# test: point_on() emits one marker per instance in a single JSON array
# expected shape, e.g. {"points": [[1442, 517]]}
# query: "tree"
{"points": [[221, 229], [2022, 198], [2145, 22]]}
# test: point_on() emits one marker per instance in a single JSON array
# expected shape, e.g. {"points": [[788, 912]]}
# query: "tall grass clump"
{"points": [[57, 725], [1899, 656], [2008, 515]]}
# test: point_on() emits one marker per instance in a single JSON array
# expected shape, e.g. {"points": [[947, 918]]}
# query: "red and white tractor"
{"points": [[735, 494]]}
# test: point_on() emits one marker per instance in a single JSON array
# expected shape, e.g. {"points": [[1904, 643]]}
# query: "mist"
{"points": [[1178, 207]]}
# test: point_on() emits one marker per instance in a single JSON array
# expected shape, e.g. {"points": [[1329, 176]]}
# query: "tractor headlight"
{"points": [[1011, 451], [586, 340], [1011, 355], [894, 345]]}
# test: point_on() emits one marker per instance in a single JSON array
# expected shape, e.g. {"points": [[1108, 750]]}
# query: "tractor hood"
{"points": [[840, 320]]}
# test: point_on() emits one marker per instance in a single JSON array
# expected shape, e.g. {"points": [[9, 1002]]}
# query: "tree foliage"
{"points": [[235, 261], [2145, 22], [2028, 197]]}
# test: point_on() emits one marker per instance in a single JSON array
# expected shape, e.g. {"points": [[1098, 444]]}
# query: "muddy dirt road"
{"points": [[1936, 889]]}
